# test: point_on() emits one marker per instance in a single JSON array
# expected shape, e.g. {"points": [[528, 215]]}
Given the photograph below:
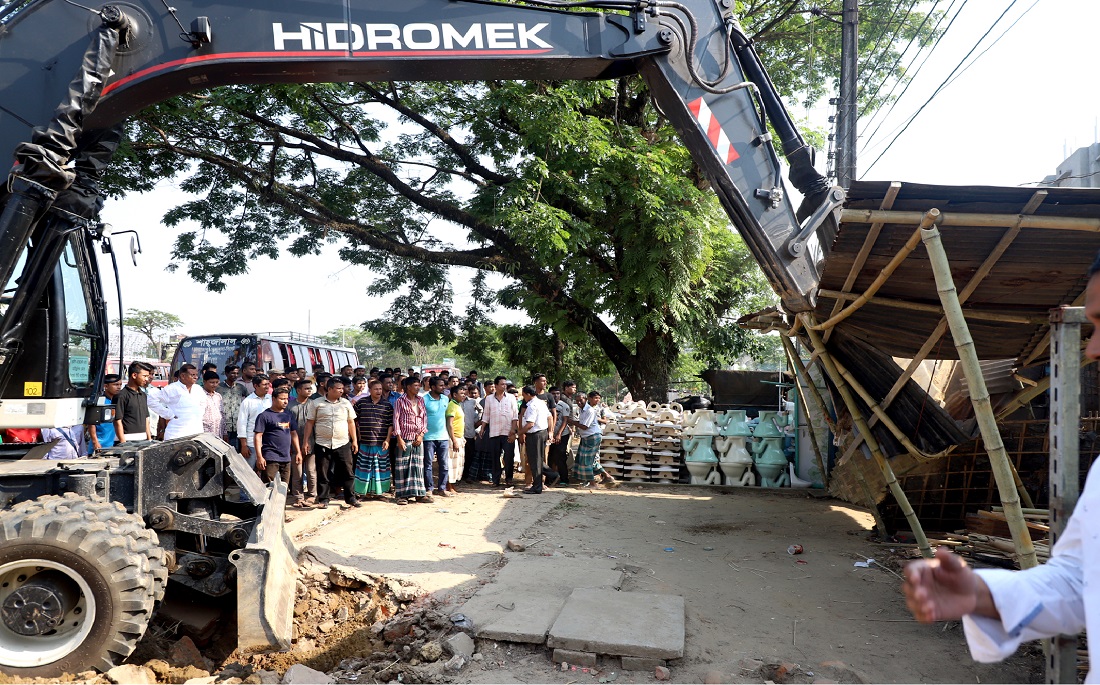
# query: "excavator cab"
{"points": [[52, 311]]}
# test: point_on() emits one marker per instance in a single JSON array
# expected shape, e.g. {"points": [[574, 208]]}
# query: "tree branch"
{"points": [[443, 135]]}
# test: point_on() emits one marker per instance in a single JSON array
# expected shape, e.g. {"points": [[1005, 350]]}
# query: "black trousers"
{"points": [[472, 465], [335, 468], [559, 457], [535, 444], [498, 446]]}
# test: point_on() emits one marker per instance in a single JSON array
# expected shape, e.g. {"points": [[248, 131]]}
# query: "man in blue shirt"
{"points": [[102, 435], [437, 441], [276, 437]]}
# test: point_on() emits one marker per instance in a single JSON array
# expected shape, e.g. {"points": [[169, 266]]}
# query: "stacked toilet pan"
{"points": [[642, 444]]}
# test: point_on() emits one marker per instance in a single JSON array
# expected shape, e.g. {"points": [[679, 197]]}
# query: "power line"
{"points": [[917, 71], [941, 86], [995, 41], [871, 63], [894, 66]]}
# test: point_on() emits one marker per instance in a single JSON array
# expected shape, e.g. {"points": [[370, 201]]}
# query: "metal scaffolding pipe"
{"points": [[826, 360], [979, 398]]}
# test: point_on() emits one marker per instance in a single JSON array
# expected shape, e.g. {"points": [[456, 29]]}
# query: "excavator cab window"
{"points": [[78, 316]]}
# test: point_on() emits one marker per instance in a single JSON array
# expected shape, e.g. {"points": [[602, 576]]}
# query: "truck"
{"points": [[88, 547]]}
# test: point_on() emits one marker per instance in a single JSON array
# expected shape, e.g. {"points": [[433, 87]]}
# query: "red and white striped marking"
{"points": [[713, 129]]}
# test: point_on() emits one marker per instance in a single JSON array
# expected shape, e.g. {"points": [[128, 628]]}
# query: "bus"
{"points": [[161, 372], [268, 350]]}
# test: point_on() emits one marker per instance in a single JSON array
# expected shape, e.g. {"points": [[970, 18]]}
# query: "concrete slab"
{"points": [[637, 624], [522, 601]]}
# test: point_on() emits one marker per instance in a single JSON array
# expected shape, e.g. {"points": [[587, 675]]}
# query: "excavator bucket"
{"points": [[267, 569]]}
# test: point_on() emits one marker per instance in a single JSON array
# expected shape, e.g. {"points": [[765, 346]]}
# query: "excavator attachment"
{"points": [[267, 570]]}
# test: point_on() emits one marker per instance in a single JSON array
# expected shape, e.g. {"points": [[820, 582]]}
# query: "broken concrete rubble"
{"points": [[300, 674], [459, 644], [131, 673]]}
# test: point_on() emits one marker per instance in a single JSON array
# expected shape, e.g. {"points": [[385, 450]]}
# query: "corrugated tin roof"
{"points": [[1042, 268]]}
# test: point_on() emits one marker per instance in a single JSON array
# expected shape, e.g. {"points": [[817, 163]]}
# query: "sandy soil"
{"points": [[746, 598]]}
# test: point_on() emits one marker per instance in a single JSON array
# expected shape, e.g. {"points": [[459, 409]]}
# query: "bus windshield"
{"points": [[221, 350]]}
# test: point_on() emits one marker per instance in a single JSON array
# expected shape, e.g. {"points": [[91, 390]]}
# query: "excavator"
{"points": [[88, 546]]}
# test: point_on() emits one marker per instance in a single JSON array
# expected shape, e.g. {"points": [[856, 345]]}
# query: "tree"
{"points": [[579, 192], [155, 325]]}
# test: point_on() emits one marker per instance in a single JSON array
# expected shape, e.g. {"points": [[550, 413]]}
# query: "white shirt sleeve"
{"points": [[160, 402], [1040, 602], [242, 418]]}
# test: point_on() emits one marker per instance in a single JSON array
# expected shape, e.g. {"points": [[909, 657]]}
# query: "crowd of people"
{"points": [[362, 434]]}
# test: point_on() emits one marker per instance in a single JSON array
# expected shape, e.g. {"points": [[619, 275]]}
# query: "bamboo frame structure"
{"points": [[826, 360], [937, 334], [840, 296], [883, 276], [979, 397], [886, 420], [1022, 398], [865, 250], [801, 373], [1056, 223]]}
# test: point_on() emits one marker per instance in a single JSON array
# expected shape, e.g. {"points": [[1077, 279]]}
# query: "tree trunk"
{"points": [[558, 357], [648, 371]]}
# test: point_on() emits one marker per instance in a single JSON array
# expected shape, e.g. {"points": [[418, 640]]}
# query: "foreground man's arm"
{"points": [[1001, 609]]}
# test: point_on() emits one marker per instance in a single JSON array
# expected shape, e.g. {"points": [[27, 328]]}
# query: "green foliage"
{"points": [[154, 324], [579, 192]]}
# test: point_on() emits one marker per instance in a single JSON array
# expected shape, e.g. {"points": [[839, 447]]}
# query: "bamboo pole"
{"points": [[933, 309], [977, 220], [800, 373], [826, 360], [871, 504], [886, 420], [979, 397], [880, 280], [1021, 398]]}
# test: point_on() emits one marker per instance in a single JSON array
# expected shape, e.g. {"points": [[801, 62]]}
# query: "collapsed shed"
{"points": [[884, 357]]}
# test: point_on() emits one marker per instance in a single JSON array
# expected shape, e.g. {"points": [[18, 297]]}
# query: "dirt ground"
{"points": [[724, 552]]}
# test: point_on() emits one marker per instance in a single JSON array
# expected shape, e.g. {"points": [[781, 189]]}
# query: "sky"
{"points": [[1010, 119]]}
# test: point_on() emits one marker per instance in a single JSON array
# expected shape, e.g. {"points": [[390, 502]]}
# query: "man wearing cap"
{"points": [[102, 435]]}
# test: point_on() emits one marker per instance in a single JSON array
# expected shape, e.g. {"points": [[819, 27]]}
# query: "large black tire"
{"points": [[113, 559]]}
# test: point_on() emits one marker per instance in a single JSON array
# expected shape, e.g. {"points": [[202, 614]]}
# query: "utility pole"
{"points": [[848, 111]]}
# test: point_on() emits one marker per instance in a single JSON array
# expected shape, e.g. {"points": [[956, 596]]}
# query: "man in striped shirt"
{"points": [[374, 421], [410, 422]]}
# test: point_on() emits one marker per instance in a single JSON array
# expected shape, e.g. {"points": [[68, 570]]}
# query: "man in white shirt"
{"points": [[536, 428], [501, 417], [1001, 609], [182, 404], [251, 407]]}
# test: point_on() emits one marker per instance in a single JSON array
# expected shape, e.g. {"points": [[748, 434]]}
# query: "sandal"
{"points": [[401, 501]]}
